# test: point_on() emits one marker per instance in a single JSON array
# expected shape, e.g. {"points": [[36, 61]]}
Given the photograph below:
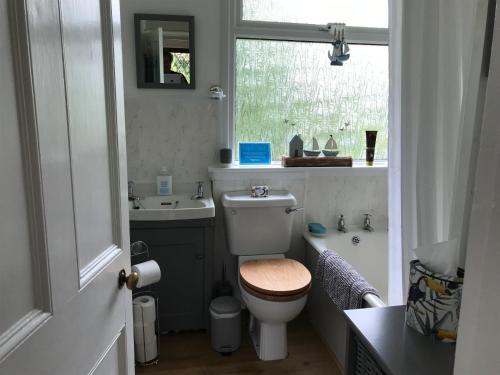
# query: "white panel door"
{"points": [[63, 198]]}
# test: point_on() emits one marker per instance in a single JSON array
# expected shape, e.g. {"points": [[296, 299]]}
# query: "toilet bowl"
{"points": [[274, 289], [271, 308]]}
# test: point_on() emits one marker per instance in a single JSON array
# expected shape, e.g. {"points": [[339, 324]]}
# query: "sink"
{"points": [[171, 207]]}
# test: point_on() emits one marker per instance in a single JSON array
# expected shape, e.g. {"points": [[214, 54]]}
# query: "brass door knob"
{"points": [[130, 280]]}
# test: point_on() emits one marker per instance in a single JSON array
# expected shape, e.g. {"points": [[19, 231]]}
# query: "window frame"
{"points": [[234, 27]]}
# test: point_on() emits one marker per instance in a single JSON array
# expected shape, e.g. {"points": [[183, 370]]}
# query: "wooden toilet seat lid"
{"points": [[275, 277]]}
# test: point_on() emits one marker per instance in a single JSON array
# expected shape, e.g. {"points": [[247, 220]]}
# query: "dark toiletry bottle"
{"points": [[226, 156], [371, 139]]}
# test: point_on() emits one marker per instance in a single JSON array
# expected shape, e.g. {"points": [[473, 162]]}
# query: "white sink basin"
{"points": [[171, 207]]}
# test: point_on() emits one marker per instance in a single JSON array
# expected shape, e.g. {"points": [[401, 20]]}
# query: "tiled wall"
{"points": [[168, 127]]}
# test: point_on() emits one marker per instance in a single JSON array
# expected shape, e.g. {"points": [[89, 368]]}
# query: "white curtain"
{"points": [[436, 52]]}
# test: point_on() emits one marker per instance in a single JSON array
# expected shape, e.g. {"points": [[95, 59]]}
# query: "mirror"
{"points": [[164, 46]]}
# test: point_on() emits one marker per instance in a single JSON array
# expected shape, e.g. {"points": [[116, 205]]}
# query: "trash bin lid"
{"points": [[225, 305]]}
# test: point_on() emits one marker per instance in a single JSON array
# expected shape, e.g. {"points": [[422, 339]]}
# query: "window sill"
{"points": [[359, 168]]}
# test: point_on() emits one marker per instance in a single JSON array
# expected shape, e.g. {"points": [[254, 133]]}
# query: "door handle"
{"points": [[131, 280]]}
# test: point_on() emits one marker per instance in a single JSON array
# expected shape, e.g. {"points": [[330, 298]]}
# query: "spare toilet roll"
{"points": [[146, 352], [145, 341], [144, 309], [144, 333], [149, 273]]}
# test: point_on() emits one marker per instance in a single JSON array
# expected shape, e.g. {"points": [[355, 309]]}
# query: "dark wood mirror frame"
{"points": [[140, 68]]}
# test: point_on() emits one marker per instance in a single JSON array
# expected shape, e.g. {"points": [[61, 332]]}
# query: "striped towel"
{"points": [[341, 282]]}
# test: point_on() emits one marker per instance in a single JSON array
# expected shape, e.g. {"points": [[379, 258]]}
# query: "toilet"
{"points": [[274, 289]]}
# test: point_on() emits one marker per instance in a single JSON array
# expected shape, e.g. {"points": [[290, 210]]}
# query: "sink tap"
{"points": [[367, 223], [199, 192], [131, 196], [341, 224]]}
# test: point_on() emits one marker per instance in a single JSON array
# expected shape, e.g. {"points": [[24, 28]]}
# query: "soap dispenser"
{"points": [[164, 183]]}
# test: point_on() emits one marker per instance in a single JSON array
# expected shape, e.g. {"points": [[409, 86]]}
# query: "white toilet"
{"points": [[274, 289]]}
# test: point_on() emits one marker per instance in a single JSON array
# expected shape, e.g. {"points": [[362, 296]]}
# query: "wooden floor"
{"points": [[190, 354]]}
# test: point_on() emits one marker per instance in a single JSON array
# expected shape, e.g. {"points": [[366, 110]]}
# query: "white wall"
{"points": [[173, 128], [479, 330]]}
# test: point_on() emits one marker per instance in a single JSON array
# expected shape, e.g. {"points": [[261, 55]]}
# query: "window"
{"points": [[284, 83], [365, 13]]}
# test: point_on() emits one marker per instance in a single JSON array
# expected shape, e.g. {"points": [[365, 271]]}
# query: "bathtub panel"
{"points": [[369, 258]]}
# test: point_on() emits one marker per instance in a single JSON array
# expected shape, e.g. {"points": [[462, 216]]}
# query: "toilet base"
{"points": [[269, 339]]}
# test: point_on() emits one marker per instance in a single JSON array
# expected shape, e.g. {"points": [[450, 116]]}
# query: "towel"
{"points": [[341, 282]]}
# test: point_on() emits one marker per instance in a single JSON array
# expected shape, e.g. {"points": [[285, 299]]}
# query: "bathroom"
{"points": [[122, 177], [180, 130]]}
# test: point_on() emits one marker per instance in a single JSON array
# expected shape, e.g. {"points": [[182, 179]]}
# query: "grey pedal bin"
{"points": [[225, 324]]}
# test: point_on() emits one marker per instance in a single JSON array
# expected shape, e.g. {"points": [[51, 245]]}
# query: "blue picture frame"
{"points": [[254, 153]]}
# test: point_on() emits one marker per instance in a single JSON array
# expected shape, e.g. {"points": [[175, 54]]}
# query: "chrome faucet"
{"points": [[341, 227], [131, 196], [199, 192], [367, 223]]}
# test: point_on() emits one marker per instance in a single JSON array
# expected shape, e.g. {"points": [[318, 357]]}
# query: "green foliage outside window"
{"points": [[180, 64]]}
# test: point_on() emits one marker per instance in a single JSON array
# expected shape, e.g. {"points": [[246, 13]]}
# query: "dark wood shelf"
{"points": [[320, 161]]}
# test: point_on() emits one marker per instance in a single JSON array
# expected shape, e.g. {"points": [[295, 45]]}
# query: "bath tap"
{"points": [[367, 224], [199, 192], [341, 224]]}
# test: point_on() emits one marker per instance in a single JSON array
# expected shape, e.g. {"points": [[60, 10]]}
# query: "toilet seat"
{"points": [[279, 280]]}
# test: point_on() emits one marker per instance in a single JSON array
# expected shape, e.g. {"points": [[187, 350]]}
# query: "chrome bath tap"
{"points": [[341, 227], [367, 223]]}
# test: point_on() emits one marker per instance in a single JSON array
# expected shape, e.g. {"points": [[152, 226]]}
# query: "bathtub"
{"points": [[367, 252]]}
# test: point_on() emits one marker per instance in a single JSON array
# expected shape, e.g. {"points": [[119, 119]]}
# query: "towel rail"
{"points": [[373, 301]]}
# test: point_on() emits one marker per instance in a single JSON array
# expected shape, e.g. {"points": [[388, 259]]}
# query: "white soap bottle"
{"points": [[164, 183]]}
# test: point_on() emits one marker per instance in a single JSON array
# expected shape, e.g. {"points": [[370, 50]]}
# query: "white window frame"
{"points": [[235, 27]]}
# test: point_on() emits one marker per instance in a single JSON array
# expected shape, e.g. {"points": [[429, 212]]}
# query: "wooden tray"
{"points": [[325, 161]]}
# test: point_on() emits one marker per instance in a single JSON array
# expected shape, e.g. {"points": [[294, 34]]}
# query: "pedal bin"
{"points": [[225, 324]]}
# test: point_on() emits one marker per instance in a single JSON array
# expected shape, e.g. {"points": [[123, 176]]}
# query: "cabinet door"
{"points": [[180, 254]]}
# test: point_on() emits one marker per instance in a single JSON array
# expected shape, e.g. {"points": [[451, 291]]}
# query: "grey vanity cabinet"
{"points": [[183, 250]]}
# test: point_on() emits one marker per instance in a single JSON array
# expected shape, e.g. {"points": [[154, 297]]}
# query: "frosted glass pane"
{"points": [[280, 83], [365, 13]]}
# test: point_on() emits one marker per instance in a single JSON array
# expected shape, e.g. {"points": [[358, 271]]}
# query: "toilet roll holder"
{"points": [[155, 360], [140, 250]]}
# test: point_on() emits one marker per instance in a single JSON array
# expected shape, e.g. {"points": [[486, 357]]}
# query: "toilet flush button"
{"points": [[233, 212]]}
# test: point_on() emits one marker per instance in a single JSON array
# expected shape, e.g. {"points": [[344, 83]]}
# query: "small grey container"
{"points": [[225, 324]]}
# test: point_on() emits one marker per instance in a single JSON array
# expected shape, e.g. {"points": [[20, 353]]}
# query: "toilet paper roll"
{"points": [[149, 273], [145, 352], [144, 333], [144, 309]]}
